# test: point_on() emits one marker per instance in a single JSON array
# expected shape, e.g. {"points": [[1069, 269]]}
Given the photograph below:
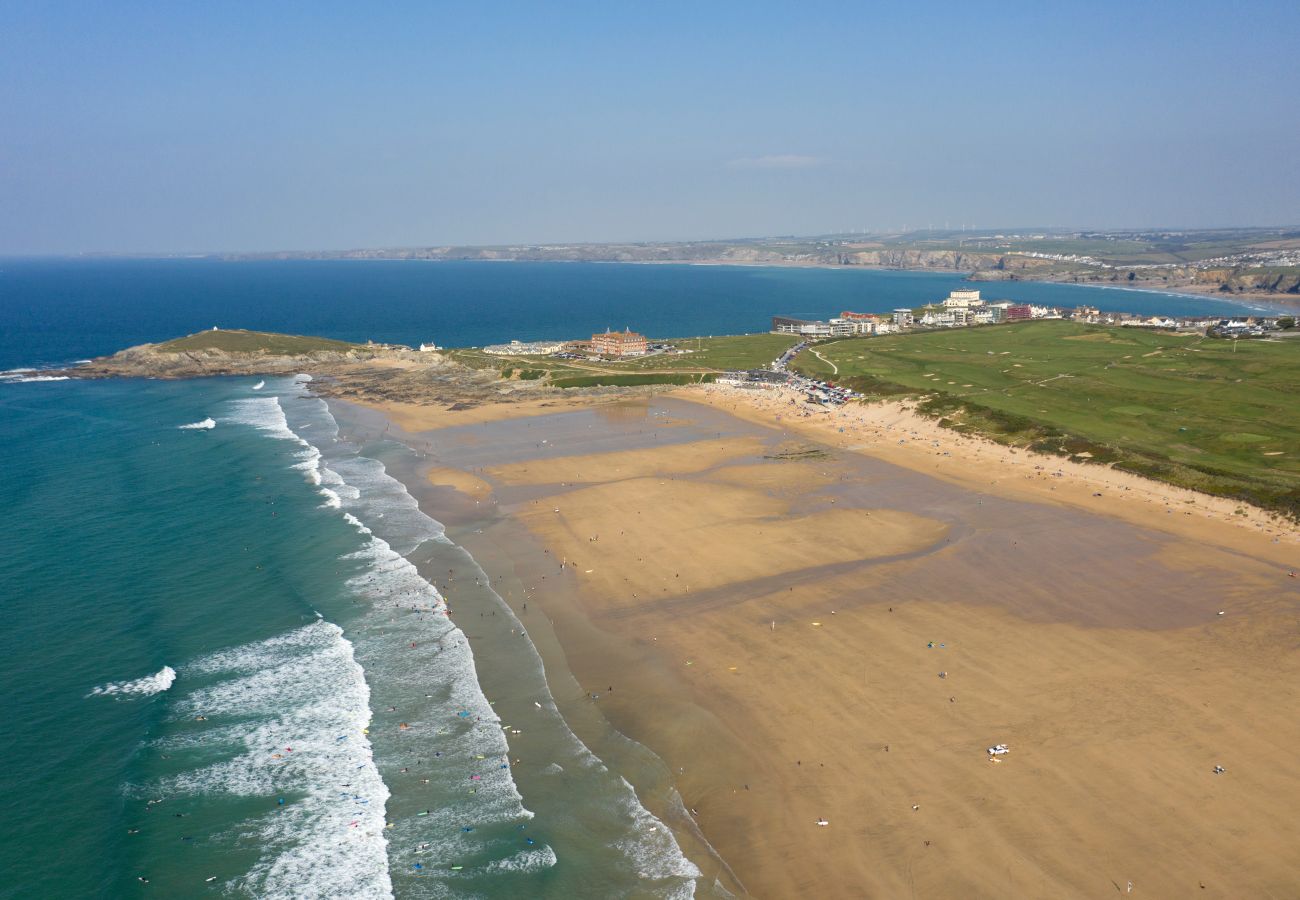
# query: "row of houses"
{"points": [[964, 308], [961, 308], [1244, 326]]}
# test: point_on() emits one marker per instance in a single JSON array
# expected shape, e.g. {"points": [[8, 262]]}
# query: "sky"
{"points": [[193, 127]]}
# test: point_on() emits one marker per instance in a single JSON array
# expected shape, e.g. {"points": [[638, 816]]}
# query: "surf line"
{"points": [[649, 847]]}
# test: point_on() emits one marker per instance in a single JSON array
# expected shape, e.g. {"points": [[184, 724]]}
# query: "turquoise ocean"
{"points": [[230, 660]]}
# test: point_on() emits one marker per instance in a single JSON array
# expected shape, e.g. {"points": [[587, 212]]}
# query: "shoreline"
{"points": [[459, 499], [721, 728], [892, 430]]}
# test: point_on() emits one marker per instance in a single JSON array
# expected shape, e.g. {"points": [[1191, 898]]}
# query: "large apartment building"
{"points": [[619, 343]]}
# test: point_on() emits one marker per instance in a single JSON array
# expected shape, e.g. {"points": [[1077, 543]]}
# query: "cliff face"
{"points": [[1272, 281], [934, 259]]}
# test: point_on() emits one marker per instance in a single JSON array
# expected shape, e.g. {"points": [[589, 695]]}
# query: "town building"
{"points": [[803, 327], [963, 299], [841, 327], [619, 343], [903, 317], [864, 323], [523, 348]]}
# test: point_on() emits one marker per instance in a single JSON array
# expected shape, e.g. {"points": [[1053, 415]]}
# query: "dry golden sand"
{"points": [[780, 644]]}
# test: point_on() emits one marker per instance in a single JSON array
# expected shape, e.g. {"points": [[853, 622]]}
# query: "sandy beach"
{"points": [[831, 618]]}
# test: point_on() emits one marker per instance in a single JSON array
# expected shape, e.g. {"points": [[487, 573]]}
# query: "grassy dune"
{"points": [[1208, 414], [241, 341]]}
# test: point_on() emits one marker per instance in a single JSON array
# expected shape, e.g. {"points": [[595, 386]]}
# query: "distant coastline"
{"points": [[1242, 263], [1255, 300]]}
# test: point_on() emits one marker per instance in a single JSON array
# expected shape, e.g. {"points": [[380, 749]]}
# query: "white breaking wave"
{"points": [[525, 861], [149, 685], [301, 706], [655, 852], [371, 494], [14, 377], [196, 426], [356, 523], [382, 510], [259, 385], [267, 415]]}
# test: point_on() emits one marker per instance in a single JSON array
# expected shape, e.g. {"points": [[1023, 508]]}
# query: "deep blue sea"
{"points": [[58, 310], [229, 667]]}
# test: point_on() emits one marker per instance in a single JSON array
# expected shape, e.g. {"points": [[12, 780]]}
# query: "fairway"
{"points": [[1216, 415]]}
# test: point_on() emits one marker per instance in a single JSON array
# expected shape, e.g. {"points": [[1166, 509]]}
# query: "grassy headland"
{"points": [[239, 340], [1217, 416]]}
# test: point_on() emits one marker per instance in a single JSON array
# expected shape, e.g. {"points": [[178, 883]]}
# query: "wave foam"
{"points": [[525, 861], [440, 664], [267, 415], [300, 705], [202, 425], [14, 378], [146, 687]]}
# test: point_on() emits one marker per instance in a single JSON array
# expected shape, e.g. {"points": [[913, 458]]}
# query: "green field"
{"points": [[742, 351], [1219, 416], [240, 341], [708, 354]]}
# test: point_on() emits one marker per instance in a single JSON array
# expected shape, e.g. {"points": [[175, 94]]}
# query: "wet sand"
{"points": [[803, 631]]}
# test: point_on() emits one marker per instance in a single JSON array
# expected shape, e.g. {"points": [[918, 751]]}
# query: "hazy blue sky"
{"points": [[222, 126]]}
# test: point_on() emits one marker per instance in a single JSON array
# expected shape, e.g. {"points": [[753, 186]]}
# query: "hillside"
{"points": [[241, 341], [230, 352]]}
